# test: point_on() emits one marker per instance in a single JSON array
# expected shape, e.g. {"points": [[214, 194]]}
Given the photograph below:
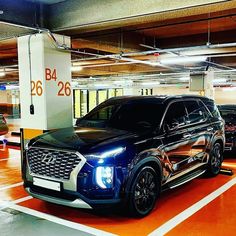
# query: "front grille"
{"points": [[52, 163]]}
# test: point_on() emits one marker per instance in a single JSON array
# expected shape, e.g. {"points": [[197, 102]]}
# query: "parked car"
{"points": [[228, 112], [3, 125], [126, 151]]}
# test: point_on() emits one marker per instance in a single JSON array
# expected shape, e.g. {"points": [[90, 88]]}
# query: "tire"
{"points": [[144, 192], [215, 160]]}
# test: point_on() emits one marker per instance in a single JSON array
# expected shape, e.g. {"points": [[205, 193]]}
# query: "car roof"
{"points": [[159, 98]]}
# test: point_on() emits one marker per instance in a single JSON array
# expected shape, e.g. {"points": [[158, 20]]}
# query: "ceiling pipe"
{"points": [[123, 56]]}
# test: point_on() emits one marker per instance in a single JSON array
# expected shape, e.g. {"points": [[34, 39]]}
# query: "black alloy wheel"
{"points": [[144, 192], [215, 161]]}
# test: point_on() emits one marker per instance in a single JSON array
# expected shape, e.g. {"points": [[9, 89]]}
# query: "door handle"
{"points": [[186, 135], [209, 129]]}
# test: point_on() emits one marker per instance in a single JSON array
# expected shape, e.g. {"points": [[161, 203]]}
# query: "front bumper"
{"points": [[67, 198], [77, 203]]}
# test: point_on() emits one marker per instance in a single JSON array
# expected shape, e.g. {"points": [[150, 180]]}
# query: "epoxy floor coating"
{"points": [[204, 206]]}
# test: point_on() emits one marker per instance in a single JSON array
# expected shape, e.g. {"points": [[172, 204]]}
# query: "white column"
{"points": [[209, 90], [45, 77]]}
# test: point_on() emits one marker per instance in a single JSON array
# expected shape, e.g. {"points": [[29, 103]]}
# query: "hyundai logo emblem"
{"points": [[48, 159]]}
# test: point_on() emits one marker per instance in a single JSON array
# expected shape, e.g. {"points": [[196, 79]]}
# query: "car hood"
{"points": [[80, 138]]}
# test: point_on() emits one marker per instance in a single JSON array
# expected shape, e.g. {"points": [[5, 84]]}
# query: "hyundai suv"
{"points": [[126, 151]]}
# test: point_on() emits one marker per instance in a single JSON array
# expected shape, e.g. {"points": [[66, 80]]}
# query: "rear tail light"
{"points": [[230, 128]]}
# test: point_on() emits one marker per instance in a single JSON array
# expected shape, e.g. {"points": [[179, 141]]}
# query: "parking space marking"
{"points": [[11, 186], [7, 204], [169, 225], [60, 221]]}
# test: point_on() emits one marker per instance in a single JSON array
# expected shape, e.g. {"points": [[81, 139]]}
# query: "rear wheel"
{"points": [[215, 161], [144, 192]]}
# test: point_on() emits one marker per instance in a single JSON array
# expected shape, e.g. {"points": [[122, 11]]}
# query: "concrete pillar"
{"points": [[209, 90], [45, 78]]}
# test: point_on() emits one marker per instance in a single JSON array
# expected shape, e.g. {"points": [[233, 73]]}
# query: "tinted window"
{"points": [[131, 116], [195, 111], [104, 113], [137, 116], [176, 115]]}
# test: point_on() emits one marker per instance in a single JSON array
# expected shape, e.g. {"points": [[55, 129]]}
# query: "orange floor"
{"points": [[216, 218]]}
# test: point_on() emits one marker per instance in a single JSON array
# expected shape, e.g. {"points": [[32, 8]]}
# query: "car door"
{"points": [[176, 138], [199, 130]]}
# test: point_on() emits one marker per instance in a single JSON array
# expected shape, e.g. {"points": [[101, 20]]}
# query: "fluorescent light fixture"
{"points": [[181, 59], [151, 83], [100, 85], [217, 81], [123, 82], [184, 79], [76, 68], [12, 87], [2, 73]]}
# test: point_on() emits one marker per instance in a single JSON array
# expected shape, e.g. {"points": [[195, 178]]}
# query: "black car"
{"points": [[126, 151], [228, 113]]}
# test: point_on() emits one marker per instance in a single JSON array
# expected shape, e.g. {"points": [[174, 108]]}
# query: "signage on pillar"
{"points": [[45, 82]]}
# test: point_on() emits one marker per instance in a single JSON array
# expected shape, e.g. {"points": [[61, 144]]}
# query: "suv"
{"points": [[228, 113], [126, 150]]}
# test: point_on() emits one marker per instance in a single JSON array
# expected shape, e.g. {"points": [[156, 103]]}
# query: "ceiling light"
{"points": [[2, 73], [100, 85], [217, 81], [76, 68], [151, 83], [184, 79], [123, 82], [177, 60]]}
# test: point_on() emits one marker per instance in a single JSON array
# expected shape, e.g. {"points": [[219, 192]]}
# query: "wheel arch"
{"points": [[151, 161]]}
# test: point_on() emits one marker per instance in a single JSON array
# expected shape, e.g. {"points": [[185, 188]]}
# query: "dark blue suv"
{"points": [[126, 151]]}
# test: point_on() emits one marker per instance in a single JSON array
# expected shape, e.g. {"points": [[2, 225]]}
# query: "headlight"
{"points": [[104, 176]]}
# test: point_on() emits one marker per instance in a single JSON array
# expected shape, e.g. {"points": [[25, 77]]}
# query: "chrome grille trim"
{"points": [[62, 168]]}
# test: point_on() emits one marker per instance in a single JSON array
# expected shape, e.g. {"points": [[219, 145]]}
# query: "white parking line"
{"points": [[7, 204], [169, 225], [60, 221], [11, 186]]}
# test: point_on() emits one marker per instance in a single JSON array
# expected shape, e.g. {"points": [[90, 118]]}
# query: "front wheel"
{"points": [[144, 192], [215, 160]]}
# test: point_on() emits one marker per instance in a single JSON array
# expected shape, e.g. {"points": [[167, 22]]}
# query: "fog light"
{"points": [[104, 176]]}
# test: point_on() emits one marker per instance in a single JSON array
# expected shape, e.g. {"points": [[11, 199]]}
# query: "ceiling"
{"points": [[138, 49], [47, 1]]}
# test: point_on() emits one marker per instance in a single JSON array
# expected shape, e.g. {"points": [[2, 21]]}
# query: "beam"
{"points": [[93, 15]]}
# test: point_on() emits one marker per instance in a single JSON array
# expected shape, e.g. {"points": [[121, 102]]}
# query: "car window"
{"points": [[212, 108], [176, 115], [138, 116], [196, 111], [104, 113]]}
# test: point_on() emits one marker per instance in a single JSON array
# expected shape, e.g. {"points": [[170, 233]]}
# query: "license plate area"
{"points": [[48, 184]]}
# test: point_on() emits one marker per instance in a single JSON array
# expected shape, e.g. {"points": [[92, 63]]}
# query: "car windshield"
{"points": [[131, 116]]}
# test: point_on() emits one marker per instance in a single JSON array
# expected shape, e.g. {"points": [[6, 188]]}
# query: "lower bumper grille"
{"points": [[52, 163]]}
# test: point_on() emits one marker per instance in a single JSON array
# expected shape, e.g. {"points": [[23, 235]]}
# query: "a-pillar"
{"points": [[45, 90]]}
